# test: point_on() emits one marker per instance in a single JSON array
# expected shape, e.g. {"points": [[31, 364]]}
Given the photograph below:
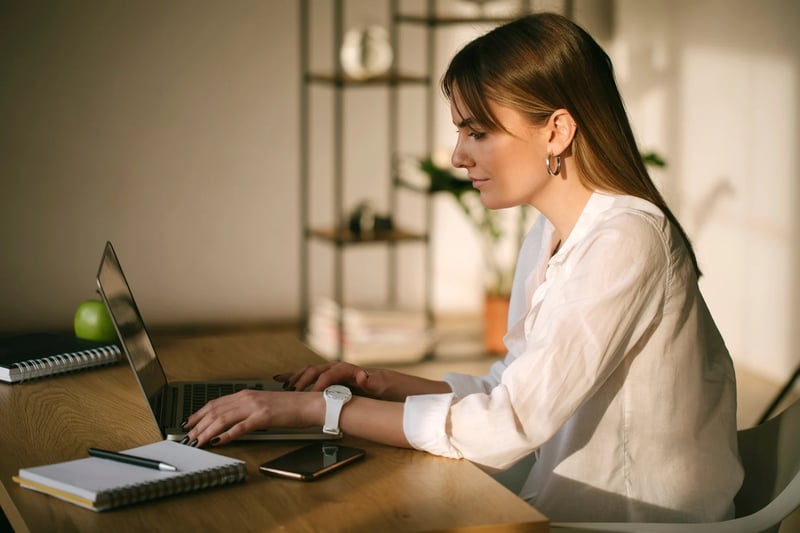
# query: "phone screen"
{"points": [[312, 461]]}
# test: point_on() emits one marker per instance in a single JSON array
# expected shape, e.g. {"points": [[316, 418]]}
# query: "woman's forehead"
{"points": [[462, 113], [457, 112]]}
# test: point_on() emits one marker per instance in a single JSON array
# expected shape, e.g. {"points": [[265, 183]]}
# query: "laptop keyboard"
{"points": [[196, 395]]}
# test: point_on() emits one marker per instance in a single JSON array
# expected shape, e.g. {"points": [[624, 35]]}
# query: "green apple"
{"points": [[93, 323]]}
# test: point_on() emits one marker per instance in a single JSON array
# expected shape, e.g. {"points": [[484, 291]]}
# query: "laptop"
{"points": [[171, 402]]}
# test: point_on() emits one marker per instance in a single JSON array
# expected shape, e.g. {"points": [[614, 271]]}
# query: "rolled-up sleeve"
{"points": [[425, 423]]}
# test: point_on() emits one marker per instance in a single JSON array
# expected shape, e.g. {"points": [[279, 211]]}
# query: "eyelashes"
{"points": [[477, 135]]}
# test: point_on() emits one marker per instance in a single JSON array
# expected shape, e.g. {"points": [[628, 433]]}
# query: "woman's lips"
{"points": [[478, 183]]}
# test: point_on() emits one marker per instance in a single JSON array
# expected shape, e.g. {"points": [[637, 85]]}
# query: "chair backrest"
{"points": [[770, 491], [770, 455]]}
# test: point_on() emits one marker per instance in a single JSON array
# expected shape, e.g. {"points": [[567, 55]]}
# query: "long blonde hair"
{"points": [[543, 62]]}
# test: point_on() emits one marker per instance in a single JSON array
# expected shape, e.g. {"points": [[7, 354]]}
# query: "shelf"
{"points": [[340, 80], [451, 20], [396, 84], [342, 237]]}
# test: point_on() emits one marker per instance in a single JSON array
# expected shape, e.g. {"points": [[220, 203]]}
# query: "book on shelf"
{"points": [[369, 335], [101, 484], [35, 355]]}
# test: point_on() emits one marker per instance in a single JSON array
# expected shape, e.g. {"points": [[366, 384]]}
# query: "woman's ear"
{"points": [[562, 129]]}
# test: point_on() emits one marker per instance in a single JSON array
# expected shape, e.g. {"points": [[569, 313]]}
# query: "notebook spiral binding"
{"points": [[66, 362], [168, 486]]}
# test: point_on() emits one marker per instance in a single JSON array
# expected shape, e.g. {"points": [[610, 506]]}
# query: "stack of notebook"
{"points": [[369, 336]]}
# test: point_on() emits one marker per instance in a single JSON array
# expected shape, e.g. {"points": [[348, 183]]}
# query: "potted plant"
{"points": [[499, 231]]}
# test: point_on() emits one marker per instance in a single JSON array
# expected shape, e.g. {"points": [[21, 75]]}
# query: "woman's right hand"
{"points": [[318, 377]]}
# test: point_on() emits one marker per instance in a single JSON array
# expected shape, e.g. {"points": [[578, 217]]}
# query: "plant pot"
{"points": [[495, 321]]}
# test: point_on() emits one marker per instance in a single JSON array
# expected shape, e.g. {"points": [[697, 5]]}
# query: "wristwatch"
{"points": [[335, 398]]}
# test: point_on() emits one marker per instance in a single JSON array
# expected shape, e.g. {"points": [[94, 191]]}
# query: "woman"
{"points": [[616, 376]]}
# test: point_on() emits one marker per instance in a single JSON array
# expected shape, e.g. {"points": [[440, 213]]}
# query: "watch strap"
{"points": [[333, 410]]}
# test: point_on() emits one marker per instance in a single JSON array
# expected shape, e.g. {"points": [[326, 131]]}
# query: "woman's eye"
{"points": [[477, 135]]}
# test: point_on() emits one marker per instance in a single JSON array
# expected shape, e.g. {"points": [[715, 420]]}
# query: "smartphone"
{"points": [[312, 461]]}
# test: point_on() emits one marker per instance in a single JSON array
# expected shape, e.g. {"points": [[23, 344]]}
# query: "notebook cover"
{"points": [[32, 347], [100, 484]]}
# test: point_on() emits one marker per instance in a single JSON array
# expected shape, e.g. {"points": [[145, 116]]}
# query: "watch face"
{"points": [[338, 392]]}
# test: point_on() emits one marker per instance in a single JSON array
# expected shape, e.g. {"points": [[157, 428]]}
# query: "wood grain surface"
{"points": [[57, 419]]}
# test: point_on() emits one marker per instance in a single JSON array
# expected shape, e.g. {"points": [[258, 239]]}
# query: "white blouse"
{"points": [[616, 375]]}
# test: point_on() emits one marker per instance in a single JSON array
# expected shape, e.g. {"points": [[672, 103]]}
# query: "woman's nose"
{"points": [[459, 159]]}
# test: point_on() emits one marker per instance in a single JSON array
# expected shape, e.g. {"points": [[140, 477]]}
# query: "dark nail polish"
{"points": [[214, 441], [185, 439], [276, 376], [285, 385], [185, 421], [193, 443]]}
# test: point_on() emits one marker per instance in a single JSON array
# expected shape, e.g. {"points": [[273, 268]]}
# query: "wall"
{"points": [[715, 86], [171, 129]]}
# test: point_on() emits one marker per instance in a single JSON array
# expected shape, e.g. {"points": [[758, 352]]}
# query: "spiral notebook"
{"points": [[100, 484], [36, 355]]}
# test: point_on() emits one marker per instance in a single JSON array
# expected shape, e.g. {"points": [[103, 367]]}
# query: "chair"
{"points": [[780, 396], [770, 455]]}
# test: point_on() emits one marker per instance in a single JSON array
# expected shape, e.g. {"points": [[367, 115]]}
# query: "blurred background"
{"points": [[172, 129]]}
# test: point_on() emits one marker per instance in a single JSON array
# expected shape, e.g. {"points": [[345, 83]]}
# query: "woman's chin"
{"points": [[490, 201]]}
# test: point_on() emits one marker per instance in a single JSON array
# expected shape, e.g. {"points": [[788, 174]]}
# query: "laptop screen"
{"points": [[130, 327]]}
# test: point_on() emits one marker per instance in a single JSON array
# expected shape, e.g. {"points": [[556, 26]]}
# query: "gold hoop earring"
{"points": [[558, 165]]}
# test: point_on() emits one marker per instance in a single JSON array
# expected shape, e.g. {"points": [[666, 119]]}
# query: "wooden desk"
{"points": [[57, 419]]}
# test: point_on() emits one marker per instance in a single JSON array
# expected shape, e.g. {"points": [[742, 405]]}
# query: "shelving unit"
{"points": [[336, 233]]}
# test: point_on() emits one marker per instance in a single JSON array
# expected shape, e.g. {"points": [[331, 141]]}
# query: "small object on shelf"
{"points": [[480, 4], [364, 221], [366, 52], [495, 319]]}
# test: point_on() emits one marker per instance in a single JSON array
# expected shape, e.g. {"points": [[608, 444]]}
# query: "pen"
{"points": [[131, 459]]}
